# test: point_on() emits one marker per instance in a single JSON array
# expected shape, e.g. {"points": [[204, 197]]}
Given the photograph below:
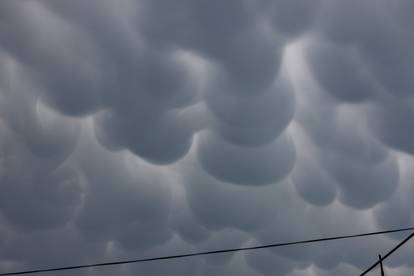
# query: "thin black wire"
{"points": [[206, 252], [388, 254]]}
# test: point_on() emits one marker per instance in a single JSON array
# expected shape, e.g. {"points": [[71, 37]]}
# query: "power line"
{"points": [[387, 255], [206, 253]]}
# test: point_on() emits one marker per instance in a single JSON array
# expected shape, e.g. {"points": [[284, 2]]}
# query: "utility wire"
{"points": [[387, 255], [205, 253]]}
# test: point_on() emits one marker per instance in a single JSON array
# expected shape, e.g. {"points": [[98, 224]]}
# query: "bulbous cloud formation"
{"points": [[142, 128]]}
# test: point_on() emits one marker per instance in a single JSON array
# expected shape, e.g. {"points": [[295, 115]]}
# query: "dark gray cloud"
{"points": [[340, 71], [232, 163], [254, 119], [218, 205], [292, 18], [142, 128], [391, 122]]}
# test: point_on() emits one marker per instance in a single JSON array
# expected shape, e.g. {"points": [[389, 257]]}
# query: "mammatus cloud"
{"points": [[141, 128]]}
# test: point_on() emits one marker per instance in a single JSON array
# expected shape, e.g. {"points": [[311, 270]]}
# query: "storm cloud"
{"points": [[141, 128]]}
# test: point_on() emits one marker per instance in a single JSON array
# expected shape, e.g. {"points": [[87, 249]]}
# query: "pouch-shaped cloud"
{"points": [[142, 128], [250, 119], [313, 184], [36, 190], [392, 122], [351, 156], [218, 205], [138, 201], [232, 163], [158, 139], [293, 18], [339, 71]]}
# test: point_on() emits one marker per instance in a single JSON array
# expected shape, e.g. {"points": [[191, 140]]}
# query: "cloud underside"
{"points": [[144, 128]]}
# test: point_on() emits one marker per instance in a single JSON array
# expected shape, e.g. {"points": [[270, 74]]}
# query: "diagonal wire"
{"points": [[206, 253], [388, 254]]}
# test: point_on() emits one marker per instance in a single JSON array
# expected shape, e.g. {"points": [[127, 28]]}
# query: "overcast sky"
{"points": [[142, 128]]}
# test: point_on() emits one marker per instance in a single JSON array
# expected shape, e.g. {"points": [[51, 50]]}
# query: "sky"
{"points": [[144, 128]]}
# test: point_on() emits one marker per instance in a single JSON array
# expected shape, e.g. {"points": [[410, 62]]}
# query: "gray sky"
{"points": [[140, 128]]}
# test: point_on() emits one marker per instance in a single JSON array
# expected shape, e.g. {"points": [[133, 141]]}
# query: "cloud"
{"points": [[218, 204], [293, 18], [254, 119], [235, 164], [140, 200], [340, 71], [144, 128]]}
